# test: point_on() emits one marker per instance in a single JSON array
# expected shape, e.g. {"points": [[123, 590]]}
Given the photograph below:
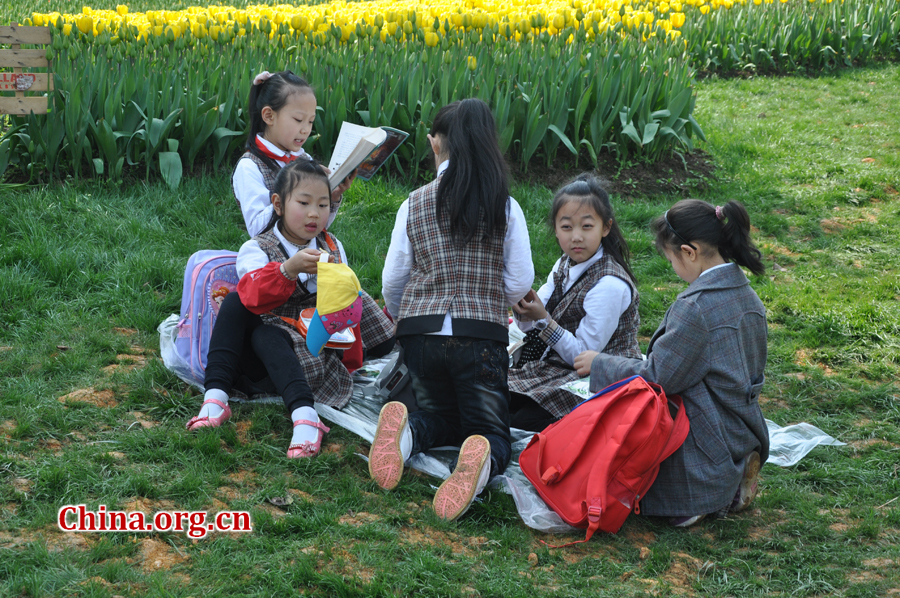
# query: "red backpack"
{"points": [[593, 466]]}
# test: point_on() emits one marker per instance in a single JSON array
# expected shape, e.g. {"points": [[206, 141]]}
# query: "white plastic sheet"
{"points": [[789, 444]]}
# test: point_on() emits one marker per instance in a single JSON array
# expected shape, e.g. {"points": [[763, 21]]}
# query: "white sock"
{"points": [[406, 443], [304, 433], [211, 409]]}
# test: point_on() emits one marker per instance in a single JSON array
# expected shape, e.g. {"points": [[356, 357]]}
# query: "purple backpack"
{"points": [[208, 277]]}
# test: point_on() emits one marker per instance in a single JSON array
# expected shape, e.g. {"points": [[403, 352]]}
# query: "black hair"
{"points": [[292, 175], [474, 190], [274, 93], [724, 228], [588, 190]]}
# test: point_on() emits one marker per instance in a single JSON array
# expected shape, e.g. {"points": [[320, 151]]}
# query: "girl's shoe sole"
{"points": [[385, 457], [456, 494]]}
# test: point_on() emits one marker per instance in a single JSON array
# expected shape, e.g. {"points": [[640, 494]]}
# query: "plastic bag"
{"points": [[787, 445]]}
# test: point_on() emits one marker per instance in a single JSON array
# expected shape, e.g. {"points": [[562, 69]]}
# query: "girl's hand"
{"points": [[305, 261], [530, 307], [342, 188], [583, 363]]}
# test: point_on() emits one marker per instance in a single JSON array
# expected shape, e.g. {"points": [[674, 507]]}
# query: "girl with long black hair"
{"points": [[459, 256]]}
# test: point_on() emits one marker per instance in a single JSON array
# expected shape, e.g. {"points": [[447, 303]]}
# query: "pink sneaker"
{"points": [[385, 456], [473, 469], [198, 422], [308, 449], [749, 484]]}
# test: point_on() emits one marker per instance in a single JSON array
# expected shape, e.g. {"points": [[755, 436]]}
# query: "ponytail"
{"points": [[474, 191], [273, 92], [588, 190], [725, 228]]}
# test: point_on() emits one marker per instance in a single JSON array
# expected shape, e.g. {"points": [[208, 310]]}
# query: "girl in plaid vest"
{"points": [[252, 345], [459, 256], [711, 350], [589, 302], [282, 110]]}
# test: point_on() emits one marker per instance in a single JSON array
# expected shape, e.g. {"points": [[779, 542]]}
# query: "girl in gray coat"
{"points": [[711, 350]]}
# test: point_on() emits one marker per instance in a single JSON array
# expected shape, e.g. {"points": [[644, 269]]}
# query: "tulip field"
{"points": [[163, 92]]}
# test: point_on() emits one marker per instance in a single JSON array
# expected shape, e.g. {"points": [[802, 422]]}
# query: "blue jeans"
{"points": [[461, 389]]}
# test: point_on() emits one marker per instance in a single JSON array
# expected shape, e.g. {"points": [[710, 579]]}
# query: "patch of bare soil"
{"points": [[156, 555], [144, 421], [126, 362], [804, 357], [56, 540], [125, 331], [7, 427], [51, 444], [92, 396], [639, 538], [243, 427], [431, 537], [770, 404], [22, 485], [864, 576], [358, 519], [146, 505], [861, 445], [671, 175], [682, 573]]}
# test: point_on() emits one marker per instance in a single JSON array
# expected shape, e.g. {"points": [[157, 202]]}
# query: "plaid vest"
{"points": [[327, 377], [268, 174], [569, 312], [464, 281]]}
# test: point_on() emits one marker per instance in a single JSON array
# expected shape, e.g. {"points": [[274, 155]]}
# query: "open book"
{"points": [[364, 148]]}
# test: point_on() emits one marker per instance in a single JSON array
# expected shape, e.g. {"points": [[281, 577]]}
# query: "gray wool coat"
{"points": [[711, 350]]}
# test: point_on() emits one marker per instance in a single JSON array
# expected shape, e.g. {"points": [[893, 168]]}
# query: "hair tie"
{"points": [[720, 213], [262, 78]]}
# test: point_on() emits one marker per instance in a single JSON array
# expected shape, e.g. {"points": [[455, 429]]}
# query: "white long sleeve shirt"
{"points": [[603, 305], [518, 269], [252, 193]]}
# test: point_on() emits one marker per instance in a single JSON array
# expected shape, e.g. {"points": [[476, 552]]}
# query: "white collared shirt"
{"points": [[252, 193], [714, 268], [518, 269], [604, 304], [252, 257]]}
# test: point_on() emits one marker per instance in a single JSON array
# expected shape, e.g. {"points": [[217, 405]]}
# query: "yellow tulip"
{"points": [[431, 39], [705, 8], [85, 24], [122, 9], [472, 62], [67, 29]]}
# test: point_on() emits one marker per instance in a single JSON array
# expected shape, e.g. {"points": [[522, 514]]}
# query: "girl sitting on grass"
{"points": [[282, 109], [589, 302], [459, 255], [711, 350], [278, 278]]}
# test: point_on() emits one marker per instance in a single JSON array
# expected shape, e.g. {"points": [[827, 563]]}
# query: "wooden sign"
{"points": [[18, 81]]}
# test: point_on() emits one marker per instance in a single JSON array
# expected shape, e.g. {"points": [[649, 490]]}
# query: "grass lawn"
{"points": [[88, 414]]}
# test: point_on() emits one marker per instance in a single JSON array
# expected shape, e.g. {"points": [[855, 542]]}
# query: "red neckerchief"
{"points": [[267, 152]]}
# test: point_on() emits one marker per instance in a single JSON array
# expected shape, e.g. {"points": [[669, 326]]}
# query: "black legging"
{"points": [[242, 345], [525, 414]]}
